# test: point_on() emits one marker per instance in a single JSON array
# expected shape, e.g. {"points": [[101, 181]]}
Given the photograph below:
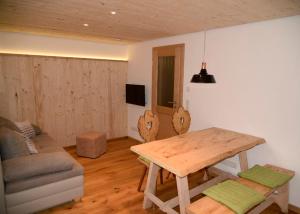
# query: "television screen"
{"points": [[135, 94]]}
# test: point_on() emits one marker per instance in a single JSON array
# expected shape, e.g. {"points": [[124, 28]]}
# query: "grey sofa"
{"points": [[35, 182]]}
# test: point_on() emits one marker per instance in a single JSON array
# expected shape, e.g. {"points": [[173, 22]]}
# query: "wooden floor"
{"points": [[111, 182]]}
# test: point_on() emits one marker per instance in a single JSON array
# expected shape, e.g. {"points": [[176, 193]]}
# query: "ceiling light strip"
{"points": [[64, 55]]}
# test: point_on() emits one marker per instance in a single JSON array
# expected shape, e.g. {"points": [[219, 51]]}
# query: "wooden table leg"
{"points": [[282, 199], [142, 178], [183, 193], [243, 161], [151, 184]]}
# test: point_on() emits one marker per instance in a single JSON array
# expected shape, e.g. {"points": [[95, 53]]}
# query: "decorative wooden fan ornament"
{"points": [[148, 125], [181, 120]]}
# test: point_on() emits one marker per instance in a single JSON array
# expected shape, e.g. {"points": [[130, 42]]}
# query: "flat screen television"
{"points": [[135, 94]]}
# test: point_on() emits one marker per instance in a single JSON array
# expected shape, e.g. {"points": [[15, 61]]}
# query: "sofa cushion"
{"points": [[36, 181], [35, 165], [37, 129], [12, 144], [26, 128], [2, 191], [45, 142], [31, 146]]}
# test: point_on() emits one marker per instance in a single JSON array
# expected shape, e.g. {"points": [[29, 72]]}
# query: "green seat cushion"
{"points": [[265, 176], [235, 196], [144, 159]]}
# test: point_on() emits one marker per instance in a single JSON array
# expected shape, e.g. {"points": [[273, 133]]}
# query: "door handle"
{"points": [[173, 102]]}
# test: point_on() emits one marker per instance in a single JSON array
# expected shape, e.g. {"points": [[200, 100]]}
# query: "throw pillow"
{"points": [[26, 128], [30, 145], [37, 129], [12, 144]]}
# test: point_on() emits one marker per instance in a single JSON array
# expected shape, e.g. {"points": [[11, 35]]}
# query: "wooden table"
{"points": [[188, 153]]}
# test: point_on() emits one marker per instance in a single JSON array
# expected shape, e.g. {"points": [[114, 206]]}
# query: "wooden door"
{"points": [[167, 81]]}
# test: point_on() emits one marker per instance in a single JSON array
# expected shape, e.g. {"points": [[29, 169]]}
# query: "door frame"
{"points": [[177, 50]]}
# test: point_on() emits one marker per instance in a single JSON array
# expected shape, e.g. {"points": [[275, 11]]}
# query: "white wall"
{"points": [[257, 69], [23, 43]]}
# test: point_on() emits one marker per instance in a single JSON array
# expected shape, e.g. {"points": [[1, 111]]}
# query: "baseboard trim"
{"points": [[117, 138], [69, 147], [131, 138], [108, 140], [294, 208]]}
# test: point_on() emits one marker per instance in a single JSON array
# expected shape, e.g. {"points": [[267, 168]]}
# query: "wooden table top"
{"points": [[192, 151]]}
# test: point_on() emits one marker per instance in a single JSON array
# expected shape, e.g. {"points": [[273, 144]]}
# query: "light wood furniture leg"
{"points": [[142, 178], [161, 177], [282, 198], [151, 184], [258, 209], [206, 174], [183, 193], [243, 161], [169, 173]]}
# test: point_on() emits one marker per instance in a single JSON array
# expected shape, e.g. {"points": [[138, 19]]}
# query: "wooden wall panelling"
{"points": [[9, 78], [49, 70], [100, 111], [70, 95], [17, 88], [27, 92], [3, 100], [3, 81], [37, 87], [2, 88], [119, 116], [65, 96]]}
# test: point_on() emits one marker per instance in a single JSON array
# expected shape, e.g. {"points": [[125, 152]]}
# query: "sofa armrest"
{"points": [[2, 198], [35, 165]]}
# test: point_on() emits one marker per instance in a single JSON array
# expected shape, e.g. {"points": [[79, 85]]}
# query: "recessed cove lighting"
{"points": [[85, 25], [113, 12]]}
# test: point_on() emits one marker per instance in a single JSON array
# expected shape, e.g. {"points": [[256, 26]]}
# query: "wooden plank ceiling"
{"points": [[135, 20]]}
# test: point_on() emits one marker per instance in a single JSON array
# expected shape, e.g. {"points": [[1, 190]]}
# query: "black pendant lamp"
{"points": [[203, 76]]}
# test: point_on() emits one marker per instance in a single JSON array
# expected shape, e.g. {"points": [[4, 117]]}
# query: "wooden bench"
{"points": [[279, 195]]}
